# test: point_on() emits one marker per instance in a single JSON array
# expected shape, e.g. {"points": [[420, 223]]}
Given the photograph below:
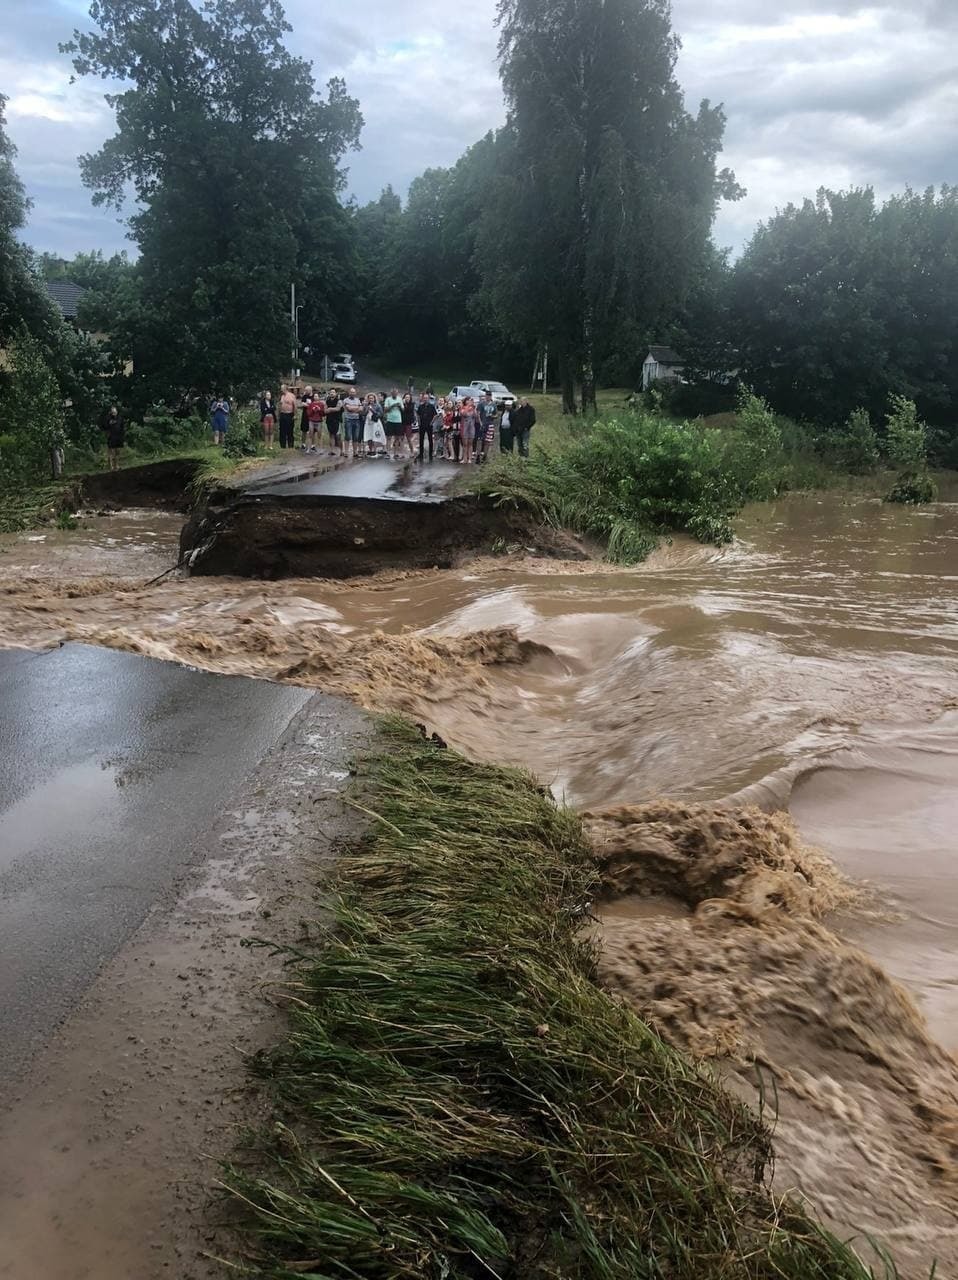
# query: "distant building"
{"points": [[67, 296], [662, 364]]}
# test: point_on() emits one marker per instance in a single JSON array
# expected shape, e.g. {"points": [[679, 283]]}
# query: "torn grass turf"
{"points": [[459, 1099]]}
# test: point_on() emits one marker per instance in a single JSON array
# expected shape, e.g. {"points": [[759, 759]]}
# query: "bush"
{"points": [[905, 436], [907, 444], [242, 439], [161, 432], [690, 400], [31, 415], [855, 447], [912, 488], [631, 479]]}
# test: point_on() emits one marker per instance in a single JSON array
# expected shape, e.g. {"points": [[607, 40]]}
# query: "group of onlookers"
{"points": [[396, 426]]}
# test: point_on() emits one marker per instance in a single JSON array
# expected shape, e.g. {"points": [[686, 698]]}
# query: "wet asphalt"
{"points": [[376, 478], [114, 767]]}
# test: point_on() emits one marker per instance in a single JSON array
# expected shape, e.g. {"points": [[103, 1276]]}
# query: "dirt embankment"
{"points": [[162, 485], [267, 536]]}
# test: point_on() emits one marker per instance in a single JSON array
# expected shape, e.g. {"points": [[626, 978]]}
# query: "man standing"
{"points": [[287, 417], [115, 429], [487, 425], [523, 420], [426, 412], [334, 421], [353, 408]]}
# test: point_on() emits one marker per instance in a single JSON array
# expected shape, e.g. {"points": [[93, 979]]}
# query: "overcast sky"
{"points": [[817, 92]]}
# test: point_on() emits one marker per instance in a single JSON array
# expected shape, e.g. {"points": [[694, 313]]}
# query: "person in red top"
{"points": [[315, 414]]}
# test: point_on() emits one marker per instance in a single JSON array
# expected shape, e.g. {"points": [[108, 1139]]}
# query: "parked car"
{"points": [[500, 392], [459, 393], [347, 373]]}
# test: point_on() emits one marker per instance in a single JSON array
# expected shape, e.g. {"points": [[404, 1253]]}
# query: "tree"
{"points": [[608, 187], [840, 302], [235, 164], [24, 303], [31, 413]]}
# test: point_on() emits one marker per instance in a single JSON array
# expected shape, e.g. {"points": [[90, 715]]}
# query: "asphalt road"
{"points": [[376, 478], [113, 768]]}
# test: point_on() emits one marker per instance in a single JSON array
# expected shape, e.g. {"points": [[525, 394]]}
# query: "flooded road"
{"points": [[811, 668]]}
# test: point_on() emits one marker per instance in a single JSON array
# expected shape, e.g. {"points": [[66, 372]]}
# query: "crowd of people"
{"points": [[391, 425]]}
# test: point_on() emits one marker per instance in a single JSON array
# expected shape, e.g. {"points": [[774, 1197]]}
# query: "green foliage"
{"points": [[840, 302], [607, 187], [160, 433], [235, 164], [905, 437], [31, 414], [631, 479], [855, 447], [755, 461], [907, 447], [242, 439], [913, 488], [458, 1098]]}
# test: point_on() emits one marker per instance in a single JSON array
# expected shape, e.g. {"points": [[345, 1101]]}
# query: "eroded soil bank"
{"points": [[271, 537]]}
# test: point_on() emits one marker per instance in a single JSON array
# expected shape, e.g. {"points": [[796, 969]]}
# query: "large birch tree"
{"points": [[601, 218]]}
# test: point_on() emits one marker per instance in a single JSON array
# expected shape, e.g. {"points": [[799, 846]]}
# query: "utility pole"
{"points": [[293, 327], [545, 372]]}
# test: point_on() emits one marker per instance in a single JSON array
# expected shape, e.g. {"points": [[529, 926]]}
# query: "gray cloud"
{"points": [[818, 92]]}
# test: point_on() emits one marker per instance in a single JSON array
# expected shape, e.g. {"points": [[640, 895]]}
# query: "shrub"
{"points": [[242, 439], [855, 447], [162, 432], [913, 488], [31, 415], [905, 435], [907, 444], [630, 479]]}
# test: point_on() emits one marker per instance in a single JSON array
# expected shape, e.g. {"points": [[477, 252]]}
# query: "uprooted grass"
{"points": [[459, 1099]]}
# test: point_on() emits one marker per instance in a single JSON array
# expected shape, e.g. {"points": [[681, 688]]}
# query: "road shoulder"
{"points": [[109, 1151]]}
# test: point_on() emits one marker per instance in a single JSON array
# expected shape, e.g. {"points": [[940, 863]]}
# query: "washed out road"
{"points": [[113, 767], [376, 478]]}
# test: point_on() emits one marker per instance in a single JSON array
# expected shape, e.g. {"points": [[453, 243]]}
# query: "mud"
{"points": [[301, 535], [161, 485], [749, 978]]}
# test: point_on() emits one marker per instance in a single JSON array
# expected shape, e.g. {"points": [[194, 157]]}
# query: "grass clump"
{"points": [[458, 1098]]}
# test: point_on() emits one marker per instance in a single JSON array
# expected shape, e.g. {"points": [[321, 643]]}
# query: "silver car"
{"points": [[500, 392]]}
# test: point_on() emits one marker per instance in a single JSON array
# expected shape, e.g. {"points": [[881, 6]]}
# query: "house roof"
{"points": [[66, 295], [665, 355]]}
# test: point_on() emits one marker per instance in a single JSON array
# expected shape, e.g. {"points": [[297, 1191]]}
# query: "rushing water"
{"points": [[810, 667]]}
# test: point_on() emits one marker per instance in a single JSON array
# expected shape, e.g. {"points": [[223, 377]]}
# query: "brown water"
{"points": [[811, 667]]}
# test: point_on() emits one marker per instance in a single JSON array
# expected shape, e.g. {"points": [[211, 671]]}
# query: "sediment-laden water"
{"points": [[809, 671]]}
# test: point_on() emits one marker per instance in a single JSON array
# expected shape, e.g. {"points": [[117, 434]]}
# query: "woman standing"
{"points": [[267, 417], [373, 434], [315, 413], [220, 419], [469, 428], [450, 429]]}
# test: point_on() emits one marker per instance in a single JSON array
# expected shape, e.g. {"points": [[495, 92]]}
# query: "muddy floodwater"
{"points": [[763, 739]]}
